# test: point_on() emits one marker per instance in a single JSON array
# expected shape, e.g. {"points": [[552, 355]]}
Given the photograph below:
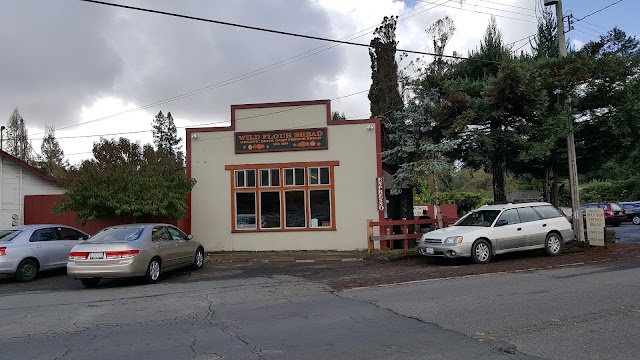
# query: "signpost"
{"points": [[382, 201], [595, 226]]}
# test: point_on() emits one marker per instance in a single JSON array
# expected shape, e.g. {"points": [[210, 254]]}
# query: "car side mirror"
{"points": [[190, 237], [502, 223]]}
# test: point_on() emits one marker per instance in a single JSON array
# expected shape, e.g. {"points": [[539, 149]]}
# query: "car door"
{"points": [[48, 248], [185, 248], [70, 238], [165, 246], [510, 235], [533, 226]]}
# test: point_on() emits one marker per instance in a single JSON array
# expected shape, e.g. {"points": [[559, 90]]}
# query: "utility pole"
{"points": [[578, 226]]}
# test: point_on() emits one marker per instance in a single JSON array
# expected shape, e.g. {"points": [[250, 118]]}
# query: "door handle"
{"points": [[38, 246], [158, 246], [544, 225], [519, 229], [177, 245]]}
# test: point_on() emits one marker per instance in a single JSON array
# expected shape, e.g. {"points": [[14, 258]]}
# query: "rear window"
{"points": [[8, 235], [547, 212], [117, 234], [615, 207]]}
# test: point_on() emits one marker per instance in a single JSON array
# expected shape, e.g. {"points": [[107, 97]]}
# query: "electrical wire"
{"points": [[597, 11], [463, 9]]}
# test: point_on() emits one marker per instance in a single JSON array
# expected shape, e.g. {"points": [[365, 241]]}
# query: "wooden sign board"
{"points": [[595, 226], [281, 140]]}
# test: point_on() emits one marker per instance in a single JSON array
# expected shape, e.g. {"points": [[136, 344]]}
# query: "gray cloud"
{"points": [[65, 54]]}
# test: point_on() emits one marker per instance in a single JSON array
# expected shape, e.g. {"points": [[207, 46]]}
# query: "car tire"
{"points": [[27, 270], [636, 220], [553, 244], [198, 259], [90, 283], [481, 252], [153, 271]]}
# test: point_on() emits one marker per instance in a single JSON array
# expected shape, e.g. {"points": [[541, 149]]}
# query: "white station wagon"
{"points": [[499, 229]]}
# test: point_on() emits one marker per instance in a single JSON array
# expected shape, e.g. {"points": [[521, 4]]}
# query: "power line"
{"points": [[247, 75], [597, 11], [513, 6], [278, 32], [463, 9]]}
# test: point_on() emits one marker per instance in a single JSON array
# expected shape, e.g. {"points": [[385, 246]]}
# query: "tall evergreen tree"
{"points": [[17, 137], [165, 135], [545, 43], [384, 93], [53, 156]]}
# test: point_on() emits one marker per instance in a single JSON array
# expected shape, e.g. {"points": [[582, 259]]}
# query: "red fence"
{"points": [[388, 237], [38, 209]]}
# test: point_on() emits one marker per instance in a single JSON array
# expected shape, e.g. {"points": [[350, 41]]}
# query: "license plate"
{"points": [[96, 255], [430, 251]]}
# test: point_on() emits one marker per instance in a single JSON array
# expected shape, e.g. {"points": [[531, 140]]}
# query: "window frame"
{"points": [[235, 209], [281, 189]]}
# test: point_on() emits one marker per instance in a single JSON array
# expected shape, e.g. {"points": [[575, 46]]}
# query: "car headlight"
{"points": [[453, 240]]}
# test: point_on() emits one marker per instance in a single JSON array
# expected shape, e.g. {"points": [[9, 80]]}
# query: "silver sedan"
{"points": [[133, 250], [28, 249]]}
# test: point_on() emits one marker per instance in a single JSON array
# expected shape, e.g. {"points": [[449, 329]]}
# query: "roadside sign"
{"points": [[595, 226]]}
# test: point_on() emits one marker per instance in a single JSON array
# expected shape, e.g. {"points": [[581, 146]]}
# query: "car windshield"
{"points": [[8, 235], [117, 234], [615, 207], [479, 218]]}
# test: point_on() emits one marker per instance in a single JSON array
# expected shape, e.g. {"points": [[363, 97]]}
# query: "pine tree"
{"points": [[17, 137], [165, 134], [53, 156], [545, 43]]}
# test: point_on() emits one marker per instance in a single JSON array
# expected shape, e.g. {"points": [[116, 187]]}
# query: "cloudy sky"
{"points": [[91, 70]]}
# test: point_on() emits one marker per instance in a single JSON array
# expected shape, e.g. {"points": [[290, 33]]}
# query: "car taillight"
{"points": [[121, 254], [78, 255], [3, 250], [609, 213]]}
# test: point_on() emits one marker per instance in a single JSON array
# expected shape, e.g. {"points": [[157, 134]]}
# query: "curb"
{"points": [[282, 259]]}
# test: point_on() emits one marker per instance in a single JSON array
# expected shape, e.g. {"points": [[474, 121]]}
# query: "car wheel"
{"points": [[553, 244], [481, 252], [198, 260], [153, 271], [27, 270], [636, 220], [90, 283]]}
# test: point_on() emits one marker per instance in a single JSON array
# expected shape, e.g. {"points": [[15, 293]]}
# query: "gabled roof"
{"points": [[26, 166]]}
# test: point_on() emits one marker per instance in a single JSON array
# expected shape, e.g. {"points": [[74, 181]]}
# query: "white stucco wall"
{"points": [[16, 183], [353, 145]]}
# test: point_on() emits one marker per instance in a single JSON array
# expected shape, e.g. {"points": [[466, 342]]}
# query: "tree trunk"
{"points": [[499, 172], [548, 181], [554, 191]]}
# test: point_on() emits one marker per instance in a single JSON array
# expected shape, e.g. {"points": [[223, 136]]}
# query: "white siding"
{"points": [[16, 183]]}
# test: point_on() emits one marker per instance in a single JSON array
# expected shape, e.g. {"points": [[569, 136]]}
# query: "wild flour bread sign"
{"points": [[281, 140]]}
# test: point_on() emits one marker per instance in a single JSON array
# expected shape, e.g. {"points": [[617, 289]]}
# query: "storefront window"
{"points": [[270, 210], [245, 210], [320, 208], [295, 213], [303, 200]]}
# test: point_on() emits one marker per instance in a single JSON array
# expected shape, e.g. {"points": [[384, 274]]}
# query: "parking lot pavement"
{"points": [[627, 233]]}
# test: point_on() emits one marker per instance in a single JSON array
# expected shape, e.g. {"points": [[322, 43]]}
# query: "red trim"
{"points": [[27, 166], [379, 157]]}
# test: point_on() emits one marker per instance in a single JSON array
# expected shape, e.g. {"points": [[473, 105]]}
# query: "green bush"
{"points": [[623, 190]]}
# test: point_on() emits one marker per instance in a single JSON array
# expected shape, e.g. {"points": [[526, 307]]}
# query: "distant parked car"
{"points": [[632, 210], [134, 250], [498, 229], [613, 213], [26, 250]]}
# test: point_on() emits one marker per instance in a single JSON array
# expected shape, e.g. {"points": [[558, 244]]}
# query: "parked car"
{"points": [[613, 213], [26, 250], [497, 229], [632, 210], [134, 250]]}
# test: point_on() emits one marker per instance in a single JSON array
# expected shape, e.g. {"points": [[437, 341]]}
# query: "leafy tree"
{"points": [[125, 178], [17, 137], [384, 93], [336, 116], [53, 157]]}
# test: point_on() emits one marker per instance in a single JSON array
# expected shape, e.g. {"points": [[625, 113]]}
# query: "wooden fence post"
{"points": [[369, 235]]}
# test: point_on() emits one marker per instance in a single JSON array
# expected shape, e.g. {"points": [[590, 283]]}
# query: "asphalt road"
{"points": [[272, 312]]}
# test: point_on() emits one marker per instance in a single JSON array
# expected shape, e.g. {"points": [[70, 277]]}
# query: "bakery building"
{"points": [[284, 176]]}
